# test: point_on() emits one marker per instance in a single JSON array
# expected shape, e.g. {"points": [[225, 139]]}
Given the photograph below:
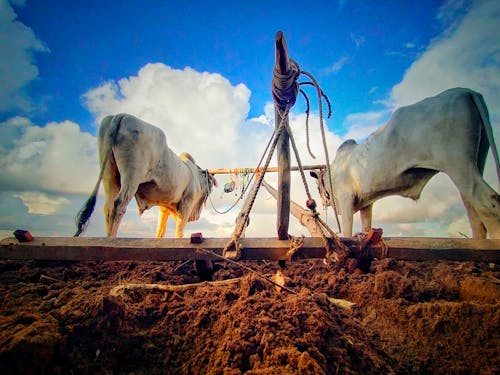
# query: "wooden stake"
{"points": [[283, 146]]}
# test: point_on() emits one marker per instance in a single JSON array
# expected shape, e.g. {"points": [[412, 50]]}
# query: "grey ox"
{"points": [[449, 133], [136, 162]]}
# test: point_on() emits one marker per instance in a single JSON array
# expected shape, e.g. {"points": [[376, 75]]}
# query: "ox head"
{"points": [[337, 168], [211, 181], [325, 195], [208, 177]]}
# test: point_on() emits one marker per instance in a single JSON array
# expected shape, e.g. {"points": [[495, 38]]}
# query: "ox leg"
{"points": [[111, 185], [477, 227], [162, 222], [482, 198], [347, 217], [111, 192], [366, 218], [120, 204], [179, 227]]}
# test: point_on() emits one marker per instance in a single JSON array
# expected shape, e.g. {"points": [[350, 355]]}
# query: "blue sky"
{"points": [[91, 42], [202, 72]]}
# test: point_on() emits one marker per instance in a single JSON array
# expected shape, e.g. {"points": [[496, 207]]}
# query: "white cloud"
{"points": [[57, 157], [42, 204], [18, 44], [451, 12], [6, 234], [467, 57], [358, 40], [337, 65], [360, 125], [199, 112]]}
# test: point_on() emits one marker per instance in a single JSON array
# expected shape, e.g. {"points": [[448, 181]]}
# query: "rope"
{"points": [[307, 113], [322, 126], [343, 252], [320, 222], [299, 162], [324, 228], [246, 212], [385, 248], [285, 87], [307, 124], [249, 181], [206, 251], [295, 244], [322, 94]]}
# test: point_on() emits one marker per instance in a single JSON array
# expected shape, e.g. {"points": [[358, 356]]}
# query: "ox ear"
{"points": [[214, 179], [314, 174]]}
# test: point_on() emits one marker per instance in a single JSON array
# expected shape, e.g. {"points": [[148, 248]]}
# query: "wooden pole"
{"points": [[282, 67], [153, 249], [270, 169]]}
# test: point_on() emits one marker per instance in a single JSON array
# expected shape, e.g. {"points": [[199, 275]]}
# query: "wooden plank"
{"points": [[152, 249], [145, 249], [426, 248]]}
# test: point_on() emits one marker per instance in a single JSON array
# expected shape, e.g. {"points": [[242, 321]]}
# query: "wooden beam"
{"points": [[427, 248], [270, 169], [145, 249], [113, 249]]}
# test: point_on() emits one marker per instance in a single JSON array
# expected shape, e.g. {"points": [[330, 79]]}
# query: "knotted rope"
{"points": [[295, 244], [285, 87]]}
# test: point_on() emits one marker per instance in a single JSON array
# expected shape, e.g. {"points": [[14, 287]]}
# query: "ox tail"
{"points": [[485, 119], [83, 216]]}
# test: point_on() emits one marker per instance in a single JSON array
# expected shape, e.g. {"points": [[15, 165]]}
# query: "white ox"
{"points": [[449, 133], [136, 161]]}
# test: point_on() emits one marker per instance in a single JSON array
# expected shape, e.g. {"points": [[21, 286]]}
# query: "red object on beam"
{"points": [[23, 235], [197, 237]]}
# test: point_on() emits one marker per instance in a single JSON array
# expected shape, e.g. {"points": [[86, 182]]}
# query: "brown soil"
{"points": [[409, 317]]}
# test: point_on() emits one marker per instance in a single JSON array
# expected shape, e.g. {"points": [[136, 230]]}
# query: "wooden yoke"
{"points": [[285, 89]]}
